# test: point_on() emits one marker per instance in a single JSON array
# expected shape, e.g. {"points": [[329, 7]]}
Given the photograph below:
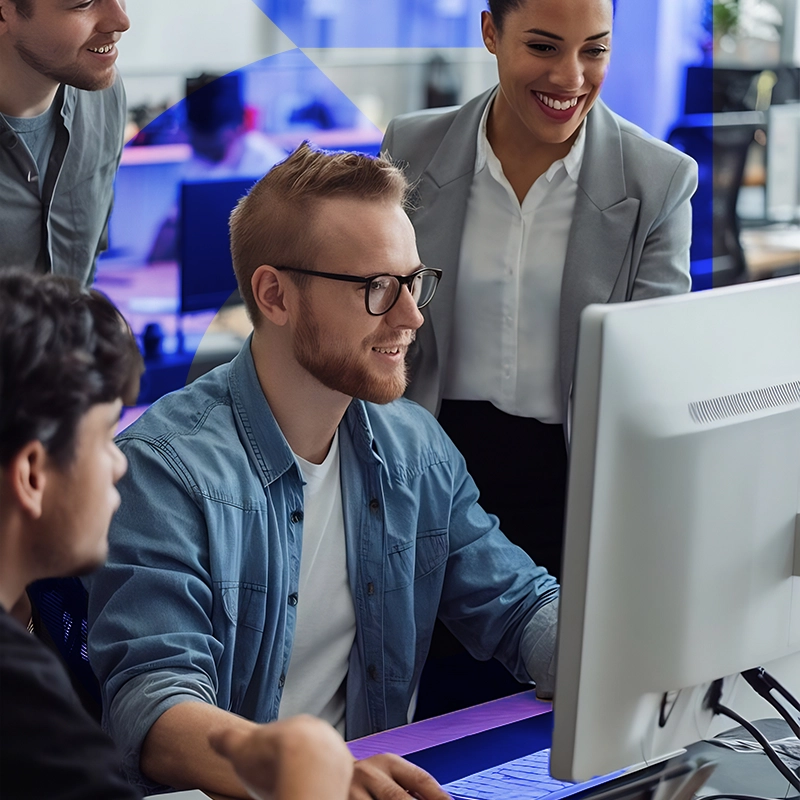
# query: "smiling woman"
{"points": [[534, 199]]}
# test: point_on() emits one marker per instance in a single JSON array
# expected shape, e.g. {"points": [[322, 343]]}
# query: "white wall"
{"points": [[172, 39]]}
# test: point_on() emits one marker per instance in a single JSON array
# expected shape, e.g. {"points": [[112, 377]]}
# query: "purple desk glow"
{"points": [[449, 727]]}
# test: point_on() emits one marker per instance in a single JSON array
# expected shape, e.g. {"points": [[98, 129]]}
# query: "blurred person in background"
{"points": [[222, 147]]}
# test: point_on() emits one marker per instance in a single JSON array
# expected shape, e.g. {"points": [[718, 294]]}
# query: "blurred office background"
{"points": [[717, 78]]}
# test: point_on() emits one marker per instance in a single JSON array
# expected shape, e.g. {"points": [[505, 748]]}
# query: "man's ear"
{"points": [[26, 476], [268, 286], [5, 12], [489, 32]]}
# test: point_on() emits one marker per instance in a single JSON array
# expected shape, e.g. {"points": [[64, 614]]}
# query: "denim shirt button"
{"points": [[9, 140], [282, 681], [293, 599], [297, 516], [370, 588], [374, 504], [372, 671]]}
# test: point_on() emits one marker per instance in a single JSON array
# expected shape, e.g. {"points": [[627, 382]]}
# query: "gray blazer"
{"points": [[629, 237]]}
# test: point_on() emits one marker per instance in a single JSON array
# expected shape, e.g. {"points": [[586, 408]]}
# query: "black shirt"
{"points": [[50, 748]]}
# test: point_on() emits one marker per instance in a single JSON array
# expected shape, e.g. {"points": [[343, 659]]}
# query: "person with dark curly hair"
{"points": [[67, 363]]}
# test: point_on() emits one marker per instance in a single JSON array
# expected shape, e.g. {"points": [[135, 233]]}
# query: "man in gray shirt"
{"points": [[62, 118]]}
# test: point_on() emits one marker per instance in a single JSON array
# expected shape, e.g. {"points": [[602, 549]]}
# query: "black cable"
{"points": [[663, 714], [763, 683], [718, 708], [730, 796], [775, 683]]}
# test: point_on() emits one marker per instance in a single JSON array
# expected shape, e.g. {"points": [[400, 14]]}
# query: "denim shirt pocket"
{"points": [[432, 550], [240, 619], [244, 604], [414, 577], [408, 561]]}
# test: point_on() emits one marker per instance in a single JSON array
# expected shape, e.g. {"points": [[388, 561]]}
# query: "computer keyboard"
{"points": [[526, 778]]}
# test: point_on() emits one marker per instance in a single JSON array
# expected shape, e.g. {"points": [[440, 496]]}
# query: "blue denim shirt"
{"points": [[198, 599]]}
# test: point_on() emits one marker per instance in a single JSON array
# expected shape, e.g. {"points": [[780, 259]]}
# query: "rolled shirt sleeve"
{"points": [[151, 637]]}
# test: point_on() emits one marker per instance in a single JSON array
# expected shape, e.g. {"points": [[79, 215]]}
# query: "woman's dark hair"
{"points": [[500, 8], [63, 349]]}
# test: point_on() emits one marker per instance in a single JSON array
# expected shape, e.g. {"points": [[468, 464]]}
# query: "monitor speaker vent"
{"points": [[736, 405]]}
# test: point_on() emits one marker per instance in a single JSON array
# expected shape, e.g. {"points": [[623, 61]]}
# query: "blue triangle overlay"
{"points": [[387, 23]]}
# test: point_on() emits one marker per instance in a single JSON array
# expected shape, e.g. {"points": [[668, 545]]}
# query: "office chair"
{"points": [[60, 620], [721, 152]]}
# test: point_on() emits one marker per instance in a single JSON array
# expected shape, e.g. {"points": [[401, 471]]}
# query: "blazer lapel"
{"points": [[441, 205], [600, 235]]}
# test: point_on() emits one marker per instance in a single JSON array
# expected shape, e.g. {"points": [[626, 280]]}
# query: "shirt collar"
{"points": [[69, 97], [63, 103], [483, 148], [268, 445], [571, 162], [270, 450]]}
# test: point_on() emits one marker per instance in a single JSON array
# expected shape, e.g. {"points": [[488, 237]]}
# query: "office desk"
{"points": [[770, 249], [464, 742], [148, 293]]}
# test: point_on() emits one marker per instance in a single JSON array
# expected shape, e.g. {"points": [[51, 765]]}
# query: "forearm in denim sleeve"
{"points": [[141, 701]]}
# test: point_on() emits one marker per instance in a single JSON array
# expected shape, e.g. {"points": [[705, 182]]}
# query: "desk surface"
{"points": [[149, 293], [451, 727], [770, 249], [467, 741], [461, 743]]}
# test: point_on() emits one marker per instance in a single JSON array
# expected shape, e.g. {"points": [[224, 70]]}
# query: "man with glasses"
{"points": [[290, 528]]}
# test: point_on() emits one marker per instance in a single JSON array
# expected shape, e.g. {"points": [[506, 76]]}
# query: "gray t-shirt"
{"points": [[38, 134], [60, 227]]}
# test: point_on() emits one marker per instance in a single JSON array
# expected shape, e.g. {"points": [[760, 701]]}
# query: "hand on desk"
{"points": [[300, 758], [389, 777]]}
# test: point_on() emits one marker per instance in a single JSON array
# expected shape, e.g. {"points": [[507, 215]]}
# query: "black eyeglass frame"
{"points": [[402, 280]]}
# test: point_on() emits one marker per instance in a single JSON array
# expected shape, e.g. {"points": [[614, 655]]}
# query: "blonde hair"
{"points": [[274, 223]]}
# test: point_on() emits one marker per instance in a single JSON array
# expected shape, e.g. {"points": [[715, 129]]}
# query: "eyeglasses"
{"points": [[381, 292]]}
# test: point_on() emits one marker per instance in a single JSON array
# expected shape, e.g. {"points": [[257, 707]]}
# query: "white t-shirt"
{"points": [[326, 620], [508, 295]]}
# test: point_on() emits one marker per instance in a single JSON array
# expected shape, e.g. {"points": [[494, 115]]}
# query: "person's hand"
{"points": [[389, 777], [300, 758]]}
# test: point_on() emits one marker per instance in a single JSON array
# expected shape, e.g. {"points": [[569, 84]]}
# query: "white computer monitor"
{"points": [[681, 549]]}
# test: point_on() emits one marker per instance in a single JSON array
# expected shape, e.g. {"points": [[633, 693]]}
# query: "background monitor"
{"points": [[682, 518], [783, 163], [206, 272]]}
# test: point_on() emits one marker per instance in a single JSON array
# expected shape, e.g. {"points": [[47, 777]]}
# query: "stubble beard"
{"points": [[72, 76], [343, 371]]}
